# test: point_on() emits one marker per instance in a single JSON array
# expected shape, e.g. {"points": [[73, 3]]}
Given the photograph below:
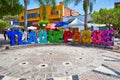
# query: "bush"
{"points": [[3, 25], [43, 24]]}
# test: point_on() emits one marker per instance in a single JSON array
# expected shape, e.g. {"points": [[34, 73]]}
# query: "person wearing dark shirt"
{"points": [[4, 34]]}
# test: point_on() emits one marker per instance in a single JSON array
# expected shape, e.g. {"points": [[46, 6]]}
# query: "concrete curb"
{"points": [[109, 48]]}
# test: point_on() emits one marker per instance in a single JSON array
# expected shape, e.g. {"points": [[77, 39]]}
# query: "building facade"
{"points": [[117, 3], [35, 15]]}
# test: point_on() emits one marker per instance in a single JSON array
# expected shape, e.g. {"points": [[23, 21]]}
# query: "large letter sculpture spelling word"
{"points": [[76, 37], [32, 37], [67, 35], [97, 37], [43, 37], [107, 37], [86, 37]]}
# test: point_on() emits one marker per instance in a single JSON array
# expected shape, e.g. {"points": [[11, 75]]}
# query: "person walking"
{"points": [[4, 34], [24, 36]]}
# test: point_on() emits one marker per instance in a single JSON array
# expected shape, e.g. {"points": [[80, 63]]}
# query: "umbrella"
{"points": [[32, 28], [51, 27], [35, 24], [61, 24]]}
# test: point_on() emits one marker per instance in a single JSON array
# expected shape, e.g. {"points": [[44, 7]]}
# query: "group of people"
{"points": [[25, 34]]}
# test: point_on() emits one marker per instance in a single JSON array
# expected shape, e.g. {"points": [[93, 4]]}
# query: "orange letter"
{"points": [[76, 36]]}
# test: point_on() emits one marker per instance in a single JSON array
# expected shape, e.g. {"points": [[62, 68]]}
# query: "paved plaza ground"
{"points": [[59, 62]]}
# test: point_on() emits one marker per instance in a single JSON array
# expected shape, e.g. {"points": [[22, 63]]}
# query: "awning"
{"points": [[34, 24]]}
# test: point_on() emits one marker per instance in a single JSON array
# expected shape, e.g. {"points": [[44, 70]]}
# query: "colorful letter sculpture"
{"points": [[67, 35], [11, 36], [32, 37], [58, 36], [19, 36], [97, 37], [86, 37], [76, 37], [55, 36], [107, 38], [50, 37], [15, 38], [43, 37]]}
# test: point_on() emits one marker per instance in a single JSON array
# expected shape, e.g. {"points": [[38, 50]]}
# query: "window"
{"points": [[28, 15], [37, 14], [33, 15], [55, 13], [22, 17]]}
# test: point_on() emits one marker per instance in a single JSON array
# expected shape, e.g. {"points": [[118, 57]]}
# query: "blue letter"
{"points": [[32, 37]]}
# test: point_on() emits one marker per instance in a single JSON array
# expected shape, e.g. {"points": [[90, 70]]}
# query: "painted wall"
{"points": [[36, 14]]}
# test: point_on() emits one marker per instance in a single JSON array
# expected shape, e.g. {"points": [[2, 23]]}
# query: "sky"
{"points": [[97, 5]]}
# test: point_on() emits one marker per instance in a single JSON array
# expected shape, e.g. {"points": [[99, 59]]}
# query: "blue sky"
{"points": [[97, 5]]}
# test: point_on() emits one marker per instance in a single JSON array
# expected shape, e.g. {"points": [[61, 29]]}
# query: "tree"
{"points": [[87, 5], [25, 13], [110, 17], [12, 4], [9, 17], [6, 8], [3, 25], [43, 3]]}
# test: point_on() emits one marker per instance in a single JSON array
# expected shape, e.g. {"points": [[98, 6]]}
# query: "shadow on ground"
{"points": [[3, 42]]}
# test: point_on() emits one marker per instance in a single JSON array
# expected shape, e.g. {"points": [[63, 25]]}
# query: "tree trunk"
{"points": [[85, 20], [25, 14], [44, 12], [12, 3]]}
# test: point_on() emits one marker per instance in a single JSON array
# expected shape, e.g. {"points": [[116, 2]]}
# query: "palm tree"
{"points": [[43, 3], [25, 13], [87, 5]]}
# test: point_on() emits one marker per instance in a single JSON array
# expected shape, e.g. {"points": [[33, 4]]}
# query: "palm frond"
{"points": [[85, 5], [47, 2], [40, 2], [77, 2], [66, 2], [91, 7], [53, 3]]}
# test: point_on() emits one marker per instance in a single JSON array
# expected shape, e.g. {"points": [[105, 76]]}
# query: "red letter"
{"points": [[67, 35]]}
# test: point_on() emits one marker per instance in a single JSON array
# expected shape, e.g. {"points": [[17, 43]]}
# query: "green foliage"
{"points": [[9, 8], [3, 25], [43, 24], [108, 17], [10, 17]]}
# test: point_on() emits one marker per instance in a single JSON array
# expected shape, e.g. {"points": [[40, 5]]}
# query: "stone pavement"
{"points": [[2, 41], [59, 62]]}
